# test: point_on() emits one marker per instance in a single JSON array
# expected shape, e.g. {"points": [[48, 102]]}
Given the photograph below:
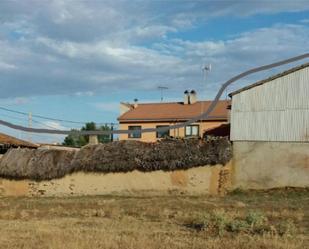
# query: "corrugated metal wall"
{"points": [[275, 111]]}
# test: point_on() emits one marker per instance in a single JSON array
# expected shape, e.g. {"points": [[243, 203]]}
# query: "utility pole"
{"points": [[112, 128], [30, 124], [162, 88]]}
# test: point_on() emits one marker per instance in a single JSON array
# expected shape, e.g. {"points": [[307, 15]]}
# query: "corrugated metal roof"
{"points": [[277, 111], [175, 111], [261, 82]]}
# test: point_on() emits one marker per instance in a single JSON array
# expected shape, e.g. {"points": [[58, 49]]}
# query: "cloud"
{"points": [[83, 48], [15, 101], [52, 125], [108, 106], [87, 93], [6, 66]]}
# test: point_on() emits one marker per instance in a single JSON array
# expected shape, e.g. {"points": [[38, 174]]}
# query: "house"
{"points": [[138, 116], [7, 142], [270, 131]]}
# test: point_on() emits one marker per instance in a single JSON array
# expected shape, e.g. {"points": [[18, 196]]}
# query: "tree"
{"points": [[75, 140], [105, 138]]}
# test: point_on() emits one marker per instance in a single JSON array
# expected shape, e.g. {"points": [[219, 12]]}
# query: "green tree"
{"points": [[75, 140], [105, 138]]}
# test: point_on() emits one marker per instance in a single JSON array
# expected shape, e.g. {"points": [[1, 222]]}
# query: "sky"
{"points": [[77, 60]]}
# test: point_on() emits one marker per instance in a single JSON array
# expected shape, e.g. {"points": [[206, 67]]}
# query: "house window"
{"points": [[161, 134], [136, 132], [192, 130]]}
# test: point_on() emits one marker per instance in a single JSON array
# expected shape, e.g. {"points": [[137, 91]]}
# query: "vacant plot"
{"points": [[272, 219]]}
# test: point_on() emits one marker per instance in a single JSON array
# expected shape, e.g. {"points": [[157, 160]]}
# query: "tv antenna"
{"points": [[161, 89], [207, 68]]}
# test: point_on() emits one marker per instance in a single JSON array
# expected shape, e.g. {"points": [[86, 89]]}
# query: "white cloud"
{"points": [[108, 106], [87, 93], [6, 66], [52, 125], [90, 47], [15, 101]]}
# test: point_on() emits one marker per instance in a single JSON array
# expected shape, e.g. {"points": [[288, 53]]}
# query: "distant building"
{"points": [[7, 142], [138, 116], [270, 131]]}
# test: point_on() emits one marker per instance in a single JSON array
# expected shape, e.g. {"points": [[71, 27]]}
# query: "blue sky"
{"points": [[77, 60]]}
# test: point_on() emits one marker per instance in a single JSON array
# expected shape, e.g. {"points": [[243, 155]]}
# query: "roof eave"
{"points": [[273, 77], [169, 120]]}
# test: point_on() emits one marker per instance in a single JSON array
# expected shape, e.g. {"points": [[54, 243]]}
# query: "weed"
{"points": [[238, 226], [255, 218], [286, 228]]}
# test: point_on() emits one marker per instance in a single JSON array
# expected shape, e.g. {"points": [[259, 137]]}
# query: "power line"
{"points": [[16, 118], [42, 117], [176, 126], [43, 124], [50, 118]]}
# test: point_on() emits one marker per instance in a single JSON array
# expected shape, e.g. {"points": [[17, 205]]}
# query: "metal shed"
{"points": [[274, 109], [270, 131]]}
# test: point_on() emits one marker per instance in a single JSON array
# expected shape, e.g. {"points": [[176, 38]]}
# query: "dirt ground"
{"points": [[255, 220]]}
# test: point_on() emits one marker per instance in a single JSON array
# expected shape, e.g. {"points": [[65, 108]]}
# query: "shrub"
{"points": [[255, 218], [219, 222], [238, 226]]}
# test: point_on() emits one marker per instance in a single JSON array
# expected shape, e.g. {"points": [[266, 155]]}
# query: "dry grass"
{"points": [[154, 222]]}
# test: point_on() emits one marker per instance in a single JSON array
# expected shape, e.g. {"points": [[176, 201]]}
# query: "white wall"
{"points": [[275, 111]]}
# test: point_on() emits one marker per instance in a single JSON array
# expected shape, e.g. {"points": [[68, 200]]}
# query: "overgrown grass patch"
{"points": [[220, 222]]}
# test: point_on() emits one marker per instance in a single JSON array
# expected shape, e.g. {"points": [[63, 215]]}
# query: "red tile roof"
{"points": [[8, 140], [174, 111]]}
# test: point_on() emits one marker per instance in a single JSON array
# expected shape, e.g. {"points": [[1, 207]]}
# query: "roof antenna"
{"points": [[161, 89], [206, 69]]}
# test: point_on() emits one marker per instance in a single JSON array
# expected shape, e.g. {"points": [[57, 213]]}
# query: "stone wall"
{"points": [[265, 165]]}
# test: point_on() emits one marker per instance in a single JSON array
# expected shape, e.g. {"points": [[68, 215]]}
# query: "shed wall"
{"points": [[265, 165], [275, 111]]}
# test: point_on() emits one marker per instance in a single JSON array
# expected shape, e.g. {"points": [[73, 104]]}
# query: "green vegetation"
{"points": [[219, 223], [75, 140]]}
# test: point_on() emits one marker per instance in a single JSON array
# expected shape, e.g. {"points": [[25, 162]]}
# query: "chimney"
{"points": [[186, 100], [135, 103], [193, 97]]}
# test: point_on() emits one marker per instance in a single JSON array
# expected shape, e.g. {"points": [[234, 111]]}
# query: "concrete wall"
{"points": [[151, 136], [264, 165], [194, 181]]}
